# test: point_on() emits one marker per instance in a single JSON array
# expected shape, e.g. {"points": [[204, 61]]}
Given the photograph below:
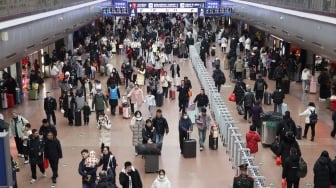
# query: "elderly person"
{"points": [[137, 124], [16, 128]]}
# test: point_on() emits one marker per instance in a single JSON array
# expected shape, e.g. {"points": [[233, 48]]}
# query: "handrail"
{"points": [[229, 133]]}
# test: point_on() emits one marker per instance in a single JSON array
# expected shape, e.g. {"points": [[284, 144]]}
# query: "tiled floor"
{"points": [[208, 169]]}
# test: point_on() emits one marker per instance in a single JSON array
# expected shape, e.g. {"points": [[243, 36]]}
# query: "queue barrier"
{"points": [[229, 132]]}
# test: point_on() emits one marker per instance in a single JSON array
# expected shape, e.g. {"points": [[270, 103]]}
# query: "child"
{"points": [[92, 160], [26, 132], [252, 139], [86, 113], [150, 102]]}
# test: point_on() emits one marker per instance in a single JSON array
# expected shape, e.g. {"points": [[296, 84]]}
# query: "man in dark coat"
{"points": [[129, 177], [53, 152], [286, 144], [183, 96], [47, 127], [239, 91], [278, 97], [323, 171], [290, 169], [202, 100], [50, 105], [161, 126], [286, 125], [248, 101], [260, 86]]}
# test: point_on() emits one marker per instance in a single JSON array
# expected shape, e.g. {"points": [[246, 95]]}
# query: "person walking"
{"points": [[286, 144], [183, 96], [219, 78], [88, 173], [185, 128], [203, 122], [108, 162], [161, 181], [238, 68], [148, 133], [53, 152], [69, 106], [104, 127], [26, 133], [256, 116], [309, 121], [129, 177], [323, 171], [166, 82], [290, 169], [243, 180], [137, 123], [239, 90], [16, 128], [202, 100], [36, 149], [161, 126], [99, 103], [278, 97], [137, 98], [305, 77], [287, 124], [260, 86], [50, 105], [150, 103], [86, 113], [248, 101], [114, 95], [252, 139], [45, 128]]}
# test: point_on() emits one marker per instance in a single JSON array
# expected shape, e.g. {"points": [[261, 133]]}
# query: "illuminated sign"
{"points": [[168, 10], [221, 11], [115, 11], [166, 5]]}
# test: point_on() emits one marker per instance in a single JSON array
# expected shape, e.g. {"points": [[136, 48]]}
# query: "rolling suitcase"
{"points": [[78, 117], [267, 98], [172, 94], [17, 96], [32, 94], [159, 99], [151, 163], [312, 86], [285, 86], [213, 142], [189, 148], [10, 100], [4, 104], [298, 132], [126, 112]]}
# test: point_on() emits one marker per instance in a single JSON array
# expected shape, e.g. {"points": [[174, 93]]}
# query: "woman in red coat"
{"points": [[252, 139], [129, 53]]}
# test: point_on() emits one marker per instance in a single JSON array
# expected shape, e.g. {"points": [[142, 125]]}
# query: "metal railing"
{"points": [[229, 133], [17, 7], [321, 6]]}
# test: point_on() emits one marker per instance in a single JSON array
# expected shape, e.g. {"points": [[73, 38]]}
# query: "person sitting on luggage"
{"points": [[252, 139], [148, 133], [248, 102], [185, 128], [278, 97], [260, 86], [287, 124], [256, 119]]}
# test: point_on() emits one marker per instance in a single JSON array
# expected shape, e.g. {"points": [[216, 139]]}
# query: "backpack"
{"points": [[302, 169], [260, 85], [313, 117], [220, 77]]}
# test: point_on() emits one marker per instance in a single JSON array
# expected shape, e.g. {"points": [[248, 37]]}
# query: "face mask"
{"points": [[185, 117], [161, 176], [138, 116], [113, 71]]}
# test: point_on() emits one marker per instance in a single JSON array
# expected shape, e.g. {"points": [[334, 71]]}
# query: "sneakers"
{"points": [[26, 162], [21, 155], [54, 180], [201, 148], [32, 181], [136, 154], [44, 174]]}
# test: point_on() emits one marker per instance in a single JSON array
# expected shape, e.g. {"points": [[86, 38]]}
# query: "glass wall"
{"points": [[322, 6]]}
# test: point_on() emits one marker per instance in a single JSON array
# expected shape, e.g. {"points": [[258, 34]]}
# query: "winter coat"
{"points": [[150, 100], [35, 146], [202, 100], [307, 113], [104, 126], [161, 125], [135, 178], [136, 96], [136, 128], [252, 139], [256, 111], [114, 93], [50, 104], [99, 101], [278, 97], [20, 123], [161, 183], [239, 91], [203, 122], [108, 160], [286, 125], [85, 171], [175, 70], [45, 129], [148, 133], [305, 75], [290, 168], [53, 149], [141, 77], [165, 81], [323, 171], [257, 82], [248, 99], [183, 92], [285, 145], [239, 65]]}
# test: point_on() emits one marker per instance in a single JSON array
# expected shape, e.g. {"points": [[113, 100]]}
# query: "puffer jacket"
{"points": [[239, 65], [278, 97], [323, 171], [290, 168], [136, 128], [239, 91], [252, 139]]}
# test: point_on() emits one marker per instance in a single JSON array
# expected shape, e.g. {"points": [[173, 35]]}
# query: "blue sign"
{"points": [[120, 3], [221, 11], [213, 3]]}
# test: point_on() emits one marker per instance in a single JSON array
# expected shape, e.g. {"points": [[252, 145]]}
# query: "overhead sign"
{"points": [[168, 10], [169, 7], [115, 11], [221, 11], [213, 4]]}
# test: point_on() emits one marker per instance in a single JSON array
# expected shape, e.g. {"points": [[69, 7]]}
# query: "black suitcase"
{"points": [[213, 143], [151, 163], [189, 148], [267, 98], [78, 117], [159, 99], [285, 86], [298, 132]]}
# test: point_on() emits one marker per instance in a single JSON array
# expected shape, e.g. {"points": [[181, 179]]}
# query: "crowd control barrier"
{"points": [[229, 133]]}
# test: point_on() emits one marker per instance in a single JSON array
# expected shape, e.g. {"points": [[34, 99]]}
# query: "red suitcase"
{"points": [[332, 105], [120, 110], [10, 100], [172, 94]]}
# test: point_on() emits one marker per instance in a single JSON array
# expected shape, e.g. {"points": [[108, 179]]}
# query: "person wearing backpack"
{"points": [[114, 95], [285, 146], [310, 121], [290, 169], [248, 101], [323, 171], [287, 124], [278, 75], [260, 86], [219, 78], [333, 132]]}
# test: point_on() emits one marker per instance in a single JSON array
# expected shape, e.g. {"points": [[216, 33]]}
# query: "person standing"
{"points": [[203, 122], [260, 86], [99, 102], [36, 149], [239, 90], [69, 106], [137, 98], [183, 96], [137, 123], [26, 133], [202, 100], [165, 83], [175, 70], [86, 113], [290, 169], [278, 75], [243, 180], [161, 181], [53, 152], [185, 128], [129, 177], [305, 77], [89, 174], [323, 171], [286, 144], [16, 127], [252, 139], [278, 97], [45, 128], [248, 102], [161, 126], [148, 133], [325, 85], [150, 103], [219, 77], [114, 95], [104, 126], [108, 161], [256, 116], [287, 124], [238, 68], [50, 105], [54, 75], [311, 109]]}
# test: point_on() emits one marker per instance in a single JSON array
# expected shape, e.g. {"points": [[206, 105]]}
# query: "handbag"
{"points": [[45, 163], [232, 97], [190, 93], [278, 161]]}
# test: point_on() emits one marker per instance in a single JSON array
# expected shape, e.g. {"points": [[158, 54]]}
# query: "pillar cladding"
{"points": [[69, 42]]}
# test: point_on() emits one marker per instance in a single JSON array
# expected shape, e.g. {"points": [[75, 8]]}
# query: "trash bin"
{"points": [[269, 127]]}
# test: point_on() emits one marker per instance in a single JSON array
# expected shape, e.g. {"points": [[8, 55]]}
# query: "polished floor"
{"points": [[209, 169]]}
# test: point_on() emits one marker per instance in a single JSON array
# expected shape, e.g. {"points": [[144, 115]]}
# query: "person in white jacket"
{"points": [[311, 108], [150, 102], [305, 77], [104, 126], [161, 181]]}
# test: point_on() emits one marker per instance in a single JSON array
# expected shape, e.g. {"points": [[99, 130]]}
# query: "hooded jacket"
{"points": [[252, 139], [290, 168], [285, 146], [323, 171], [125, 177], [161, 183]]}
